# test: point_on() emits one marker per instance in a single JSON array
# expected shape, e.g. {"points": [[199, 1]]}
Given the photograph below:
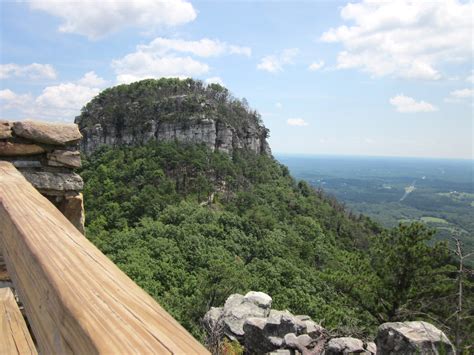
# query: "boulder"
{"points": [[280, 323], [45, 181], [301, 342], [67, 158], [237, 309], [250, 320], [412, 338], [259, 298], [10, 149], [258, 340], [212, 318], [345, 345], [371, 347], [47, 133]]}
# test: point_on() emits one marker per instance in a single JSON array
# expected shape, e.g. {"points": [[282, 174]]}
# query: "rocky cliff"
{"points": [[47, 155], [171, 109]]}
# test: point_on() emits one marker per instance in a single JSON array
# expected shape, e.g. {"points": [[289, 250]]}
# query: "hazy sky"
{"points": [[359, 78]]}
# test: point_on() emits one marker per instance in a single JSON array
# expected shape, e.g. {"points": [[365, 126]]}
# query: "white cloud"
{"points": [[10, 99], [459, 96], [31, 71], [275, 63], [214, 80], [90, 79], [279, 105], [404, 38], [470, 78], [142, 65], [316, 65], [162, 58], [462, 94], [60, 102], [96, 19], [406, 104], [297, 122], [202, 48]]}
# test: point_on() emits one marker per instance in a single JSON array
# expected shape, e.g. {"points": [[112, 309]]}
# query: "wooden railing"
{"points": [[76, 300]]}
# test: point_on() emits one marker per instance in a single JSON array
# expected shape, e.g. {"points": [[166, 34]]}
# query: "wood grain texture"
{"points": [[76, 299], [14, 335]]}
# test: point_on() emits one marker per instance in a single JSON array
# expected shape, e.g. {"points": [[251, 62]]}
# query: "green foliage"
{"points": [[192, 226], [172, 99]]}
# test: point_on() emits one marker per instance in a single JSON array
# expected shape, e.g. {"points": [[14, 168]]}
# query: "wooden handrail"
{"points": [[75, 298]]}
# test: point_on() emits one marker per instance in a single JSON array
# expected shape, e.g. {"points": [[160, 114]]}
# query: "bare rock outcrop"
{"points": [[250, 320], [212, 132], [47, 154], [259, 329], [412, 338]]}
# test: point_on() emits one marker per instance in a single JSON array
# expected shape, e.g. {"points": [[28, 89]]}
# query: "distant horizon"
{"points": [[341, 155]]}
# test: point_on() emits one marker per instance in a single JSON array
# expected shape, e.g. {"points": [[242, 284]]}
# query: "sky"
{"points": [[383, 78]]}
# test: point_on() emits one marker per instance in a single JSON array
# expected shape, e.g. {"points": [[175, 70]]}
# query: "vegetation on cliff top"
{"points": [[192, 226], [167, 100]]}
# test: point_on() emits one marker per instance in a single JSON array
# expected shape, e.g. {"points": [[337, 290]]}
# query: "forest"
{"points": [[192, 226]]}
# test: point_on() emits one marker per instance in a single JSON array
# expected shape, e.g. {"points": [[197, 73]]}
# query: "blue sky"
{"points": [[362, 78]]}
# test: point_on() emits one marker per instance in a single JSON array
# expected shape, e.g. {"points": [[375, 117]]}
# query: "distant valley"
{"points": [[438, 192]]}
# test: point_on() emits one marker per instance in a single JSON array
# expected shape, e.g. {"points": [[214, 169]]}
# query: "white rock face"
{"points": [[213, 133]]}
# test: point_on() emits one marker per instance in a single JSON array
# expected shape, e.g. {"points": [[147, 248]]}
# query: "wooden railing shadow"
{"points": [[76, 300]]}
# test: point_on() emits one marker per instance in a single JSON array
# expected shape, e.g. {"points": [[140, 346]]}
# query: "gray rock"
{"points": [[345, 345], [22, 164], [412, 338], [257, 340], [300, 343], [371, 348], [67, 158], [212, 132], [236, 310], [249, 320], [211, 318], [261, 299], [45, 181]]}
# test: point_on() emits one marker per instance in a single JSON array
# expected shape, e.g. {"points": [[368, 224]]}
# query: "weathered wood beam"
{"points": [[76, 299], [14, 335]]}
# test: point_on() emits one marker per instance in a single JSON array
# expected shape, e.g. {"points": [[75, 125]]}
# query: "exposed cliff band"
{"points": [[171, 109]]}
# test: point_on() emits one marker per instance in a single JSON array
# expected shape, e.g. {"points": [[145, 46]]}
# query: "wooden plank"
{"points": [[14, 335], [76, 299]]}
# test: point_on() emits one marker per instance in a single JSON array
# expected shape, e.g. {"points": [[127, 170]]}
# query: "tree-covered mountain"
{"points": [[171, 109], [192, 223]]}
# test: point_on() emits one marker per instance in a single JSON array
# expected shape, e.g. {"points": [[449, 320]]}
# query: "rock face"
{"points": [[250, 320], [211, 132], [171, 110], [46, 154], [412, 338]]}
